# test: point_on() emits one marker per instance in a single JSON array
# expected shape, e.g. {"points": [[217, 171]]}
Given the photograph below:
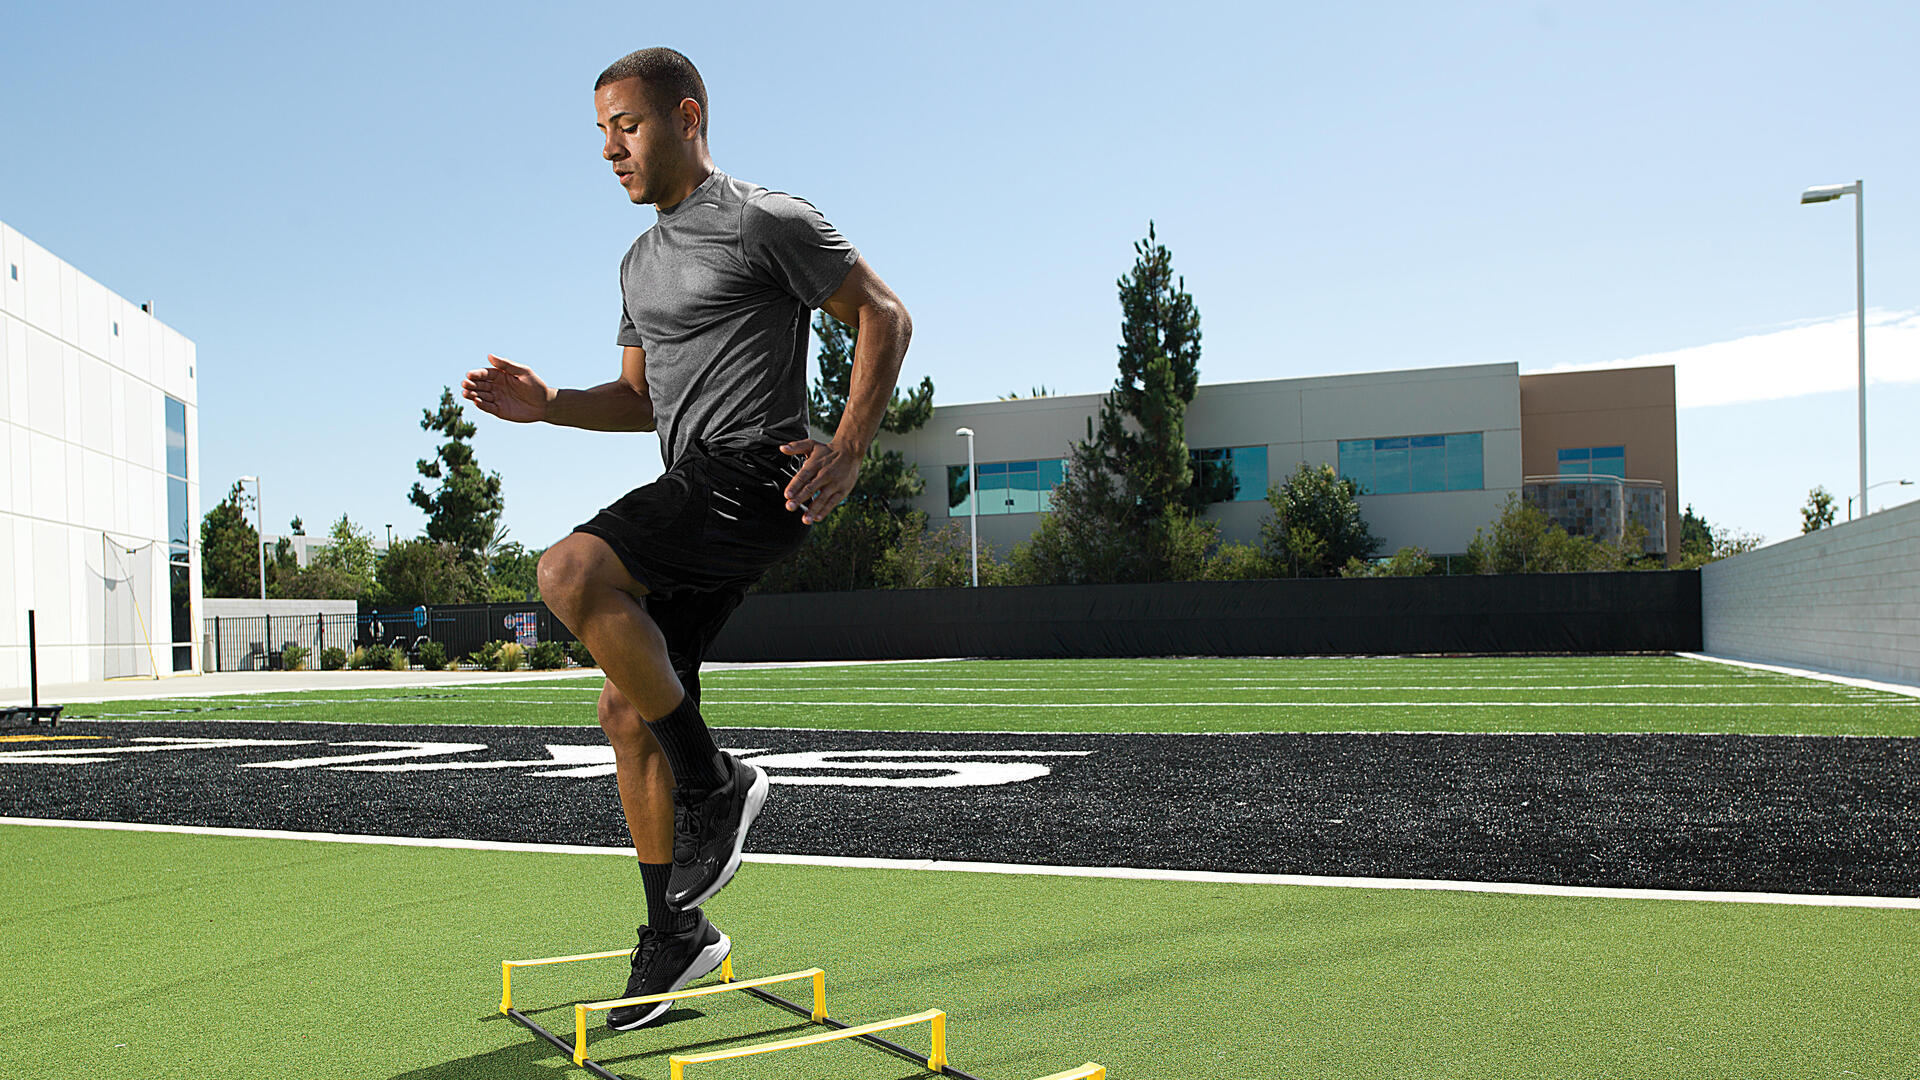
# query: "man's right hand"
{"points": [[507, 390]]}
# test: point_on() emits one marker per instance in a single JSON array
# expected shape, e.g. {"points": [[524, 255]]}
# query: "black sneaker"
{"points": [[709, 833], [663, 963]]}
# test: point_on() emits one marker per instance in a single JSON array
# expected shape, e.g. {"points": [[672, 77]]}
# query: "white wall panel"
{"points": [[121, 521], [13, 619], [20, 478], [69, 304], [96, 490], [117, 412], [7, 471], [116, 353], [135, 346], [52, 577], [141, 520], [47, 472], [40, 282], [146, 426], [46, 384], [24, 593], [71, 426], [93, 425], [16, 333], [12, 298], [94, 329], [6, 368]]}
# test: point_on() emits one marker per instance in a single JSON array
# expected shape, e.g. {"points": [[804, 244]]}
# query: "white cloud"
{"points": [[1800, 358]]}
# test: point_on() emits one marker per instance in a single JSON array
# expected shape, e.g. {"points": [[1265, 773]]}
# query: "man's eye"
{"points": [[631, 130]]}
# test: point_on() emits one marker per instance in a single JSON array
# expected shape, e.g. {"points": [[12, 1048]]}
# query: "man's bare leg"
{"points": [[646, 784], [716, 798]]}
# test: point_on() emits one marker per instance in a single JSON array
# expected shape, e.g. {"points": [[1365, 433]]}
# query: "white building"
{"points": [[99, 478]]}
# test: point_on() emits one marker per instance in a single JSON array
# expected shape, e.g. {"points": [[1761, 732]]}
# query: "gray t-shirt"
{"points": [[718, 294]]}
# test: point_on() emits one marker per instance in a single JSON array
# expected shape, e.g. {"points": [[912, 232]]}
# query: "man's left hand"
{"points": [[824, 479]]}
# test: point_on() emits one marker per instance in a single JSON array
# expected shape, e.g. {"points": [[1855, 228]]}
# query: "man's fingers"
{"points": [[505, 364]]}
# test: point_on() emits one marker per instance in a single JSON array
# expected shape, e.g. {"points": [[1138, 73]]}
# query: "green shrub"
{"points": [[294, 657], [374, 657], [512, 656], [547, 655], [487, 656], [333, 658], [397, 660], [578, 651], [433, 656]]}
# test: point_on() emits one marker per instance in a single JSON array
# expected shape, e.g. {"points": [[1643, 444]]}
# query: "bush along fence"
{"points": [[492, 637]]}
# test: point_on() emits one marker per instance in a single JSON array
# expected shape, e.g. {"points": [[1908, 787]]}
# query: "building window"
{"points": [[1408, 463], [13, 271], [116, 329], [1246, 465], [179, 533], [1006, 487], [1594, 461]]}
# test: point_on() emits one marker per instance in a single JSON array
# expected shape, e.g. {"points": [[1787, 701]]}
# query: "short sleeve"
{"points": [[629, 334], [785, 241]]}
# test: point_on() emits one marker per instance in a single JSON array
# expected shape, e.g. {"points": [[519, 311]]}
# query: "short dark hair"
{"points": [[669, 77]]}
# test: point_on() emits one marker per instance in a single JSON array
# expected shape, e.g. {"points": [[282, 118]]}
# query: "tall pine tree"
{"points": [[465, 510], [1124, 511]]}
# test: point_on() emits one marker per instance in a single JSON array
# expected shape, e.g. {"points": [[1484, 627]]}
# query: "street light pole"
{"points": [[1870, 487], [259, 534], [973, 503], [1828, 194]]}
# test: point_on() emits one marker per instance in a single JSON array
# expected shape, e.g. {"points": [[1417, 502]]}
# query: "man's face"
{"points": [[640, 145]]}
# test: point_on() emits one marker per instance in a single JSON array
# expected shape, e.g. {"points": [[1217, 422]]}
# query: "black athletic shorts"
{"points": [[699, 537]]}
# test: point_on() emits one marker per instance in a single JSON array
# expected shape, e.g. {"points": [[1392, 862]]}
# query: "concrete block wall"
{"points": [[1844, 599]]}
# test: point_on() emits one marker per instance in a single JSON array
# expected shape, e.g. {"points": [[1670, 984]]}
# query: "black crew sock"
{"points": [[696, 762], [653, 876]]}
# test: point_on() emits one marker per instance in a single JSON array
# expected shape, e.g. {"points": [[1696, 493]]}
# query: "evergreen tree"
{"points": [[844, 551], [465, 509], [228, 542], [1123, 512], [423, 571]]}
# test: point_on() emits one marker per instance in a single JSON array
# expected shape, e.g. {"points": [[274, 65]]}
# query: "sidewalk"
{"points": [[220, 684]]}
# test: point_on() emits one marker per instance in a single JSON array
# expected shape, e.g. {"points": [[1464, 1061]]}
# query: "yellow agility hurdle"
{"points": [[580, 1012], [937, 1062], [1089, 1071]]}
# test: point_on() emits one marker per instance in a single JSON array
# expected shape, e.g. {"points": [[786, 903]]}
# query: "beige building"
{"points": [[1436, 451]]}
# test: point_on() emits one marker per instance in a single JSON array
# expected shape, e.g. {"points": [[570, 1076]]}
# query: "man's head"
{"points": [[652, 107]]}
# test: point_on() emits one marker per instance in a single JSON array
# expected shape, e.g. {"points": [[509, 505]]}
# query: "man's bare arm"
{"points": [[883, 331], [513, 392], [620, 405]]}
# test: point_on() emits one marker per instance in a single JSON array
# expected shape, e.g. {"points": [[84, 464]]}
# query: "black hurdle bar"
{"points": [[773, 999], [565, 1047]]}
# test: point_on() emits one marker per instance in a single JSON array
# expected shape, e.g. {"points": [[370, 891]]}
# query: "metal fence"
{"points": [[259, 642]]}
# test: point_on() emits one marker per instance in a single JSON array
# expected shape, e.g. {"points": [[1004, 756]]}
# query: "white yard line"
{"points": [[1119, 872], [1806, 673]]}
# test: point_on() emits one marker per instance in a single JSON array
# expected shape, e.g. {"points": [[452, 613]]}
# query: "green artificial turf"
{"points": [[1467, 694], [160, 955]]}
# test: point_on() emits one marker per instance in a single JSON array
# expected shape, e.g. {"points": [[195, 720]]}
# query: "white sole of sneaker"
{"points": [[756, 798], [704, 963]]}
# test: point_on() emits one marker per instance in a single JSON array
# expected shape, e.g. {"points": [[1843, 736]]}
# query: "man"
{"points": [[713, 337]]}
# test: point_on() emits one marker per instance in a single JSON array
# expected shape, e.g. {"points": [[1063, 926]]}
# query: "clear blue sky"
{"points": [[348, 205]]}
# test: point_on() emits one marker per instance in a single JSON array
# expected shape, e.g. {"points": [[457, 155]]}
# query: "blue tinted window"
{"points": [[1594, 461], [179, 521], [1428, 440], [1429, 464], [1609, 452], [1250, 467], [959, 491], [176, 438], [1392, 471], [1576, 455], [1465, 470], [1390, 444], [1356, 462]]}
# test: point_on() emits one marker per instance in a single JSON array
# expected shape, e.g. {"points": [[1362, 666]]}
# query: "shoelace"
{"points": [[642, 957], [686, 830]]}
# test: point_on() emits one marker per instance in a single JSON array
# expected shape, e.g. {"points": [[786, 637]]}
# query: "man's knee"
{"points": [[573, 569], [626, 729]]}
